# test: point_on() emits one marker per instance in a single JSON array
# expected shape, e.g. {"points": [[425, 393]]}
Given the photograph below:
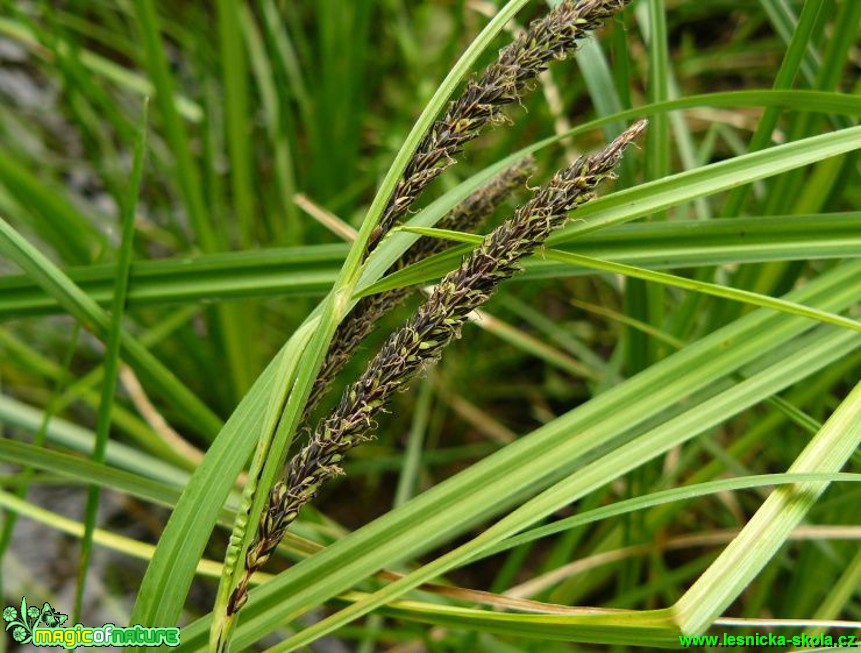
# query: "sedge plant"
{"points": [[647, 429]]}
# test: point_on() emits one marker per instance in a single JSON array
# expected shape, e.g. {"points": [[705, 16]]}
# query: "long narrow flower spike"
{"points": [[466, 216], [419, 341], [552, 37]]}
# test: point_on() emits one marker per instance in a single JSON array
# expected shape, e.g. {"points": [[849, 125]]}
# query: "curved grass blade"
{"points": [[818, 354], [769, 528], [669, 245], [82, 470], [489, 486], [665, 497], [715, 290], [76, 438], [172, 566], [108, 69], [169, 575], [122, 544], [252, 274]]}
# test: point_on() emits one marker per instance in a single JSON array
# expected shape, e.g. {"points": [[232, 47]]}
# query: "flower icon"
{"points": [[21, 621]]}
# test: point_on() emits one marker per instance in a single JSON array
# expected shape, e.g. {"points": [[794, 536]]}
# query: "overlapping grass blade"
{"points": [[112, 353], [71, 436], [662, 278], [491, 485], [125, 545], [224, 282], [766, 532], [104, 67], [85, 310], [82, 470], [235, 188], [169, 574], [814, 354], [795, 52], [665, 497]]}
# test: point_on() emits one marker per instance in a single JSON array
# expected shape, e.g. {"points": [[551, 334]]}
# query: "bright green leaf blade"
{"points": [[769, 528], [112, 355], [489, 486], [824, 350]]}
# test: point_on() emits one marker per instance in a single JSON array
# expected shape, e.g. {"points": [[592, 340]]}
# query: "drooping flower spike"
{"points": [[553, 37], [466, 216], [419, 341]]}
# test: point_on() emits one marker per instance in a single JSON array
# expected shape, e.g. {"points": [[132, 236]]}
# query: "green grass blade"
{"points": [[234, 324], [238, 117], [489, 486], [766, 532], [795, 52], [285, 175], [649, 629], [119, 543], [55, 218], [169, 574], [408, 478], [81, 470], [665, 497], [171, 569], [71, 436], [269, 446], [290, 271], [310, 271], [106, 68], [657, 195], [42, 428], [111, 359], [788, 26], [86, 311], [744, 296], [668, 245], [625, 458], [187, 173]]}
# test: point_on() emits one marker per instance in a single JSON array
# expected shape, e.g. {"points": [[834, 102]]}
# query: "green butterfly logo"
{"points": [[51, 618]]}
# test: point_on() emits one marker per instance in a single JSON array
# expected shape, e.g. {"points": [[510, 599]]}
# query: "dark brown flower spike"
{"points": [[467, 216], [419, 341], [552, 37]]}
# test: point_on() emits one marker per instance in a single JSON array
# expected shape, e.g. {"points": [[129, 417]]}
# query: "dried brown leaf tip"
{"points": [[419, 341], [552, 37]]}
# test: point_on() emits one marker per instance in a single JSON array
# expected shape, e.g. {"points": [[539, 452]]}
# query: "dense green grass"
{"points": [[658, 416]]}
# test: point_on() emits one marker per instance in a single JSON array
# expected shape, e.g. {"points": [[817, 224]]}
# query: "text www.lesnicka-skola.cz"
{"points": [[770, 639]]}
